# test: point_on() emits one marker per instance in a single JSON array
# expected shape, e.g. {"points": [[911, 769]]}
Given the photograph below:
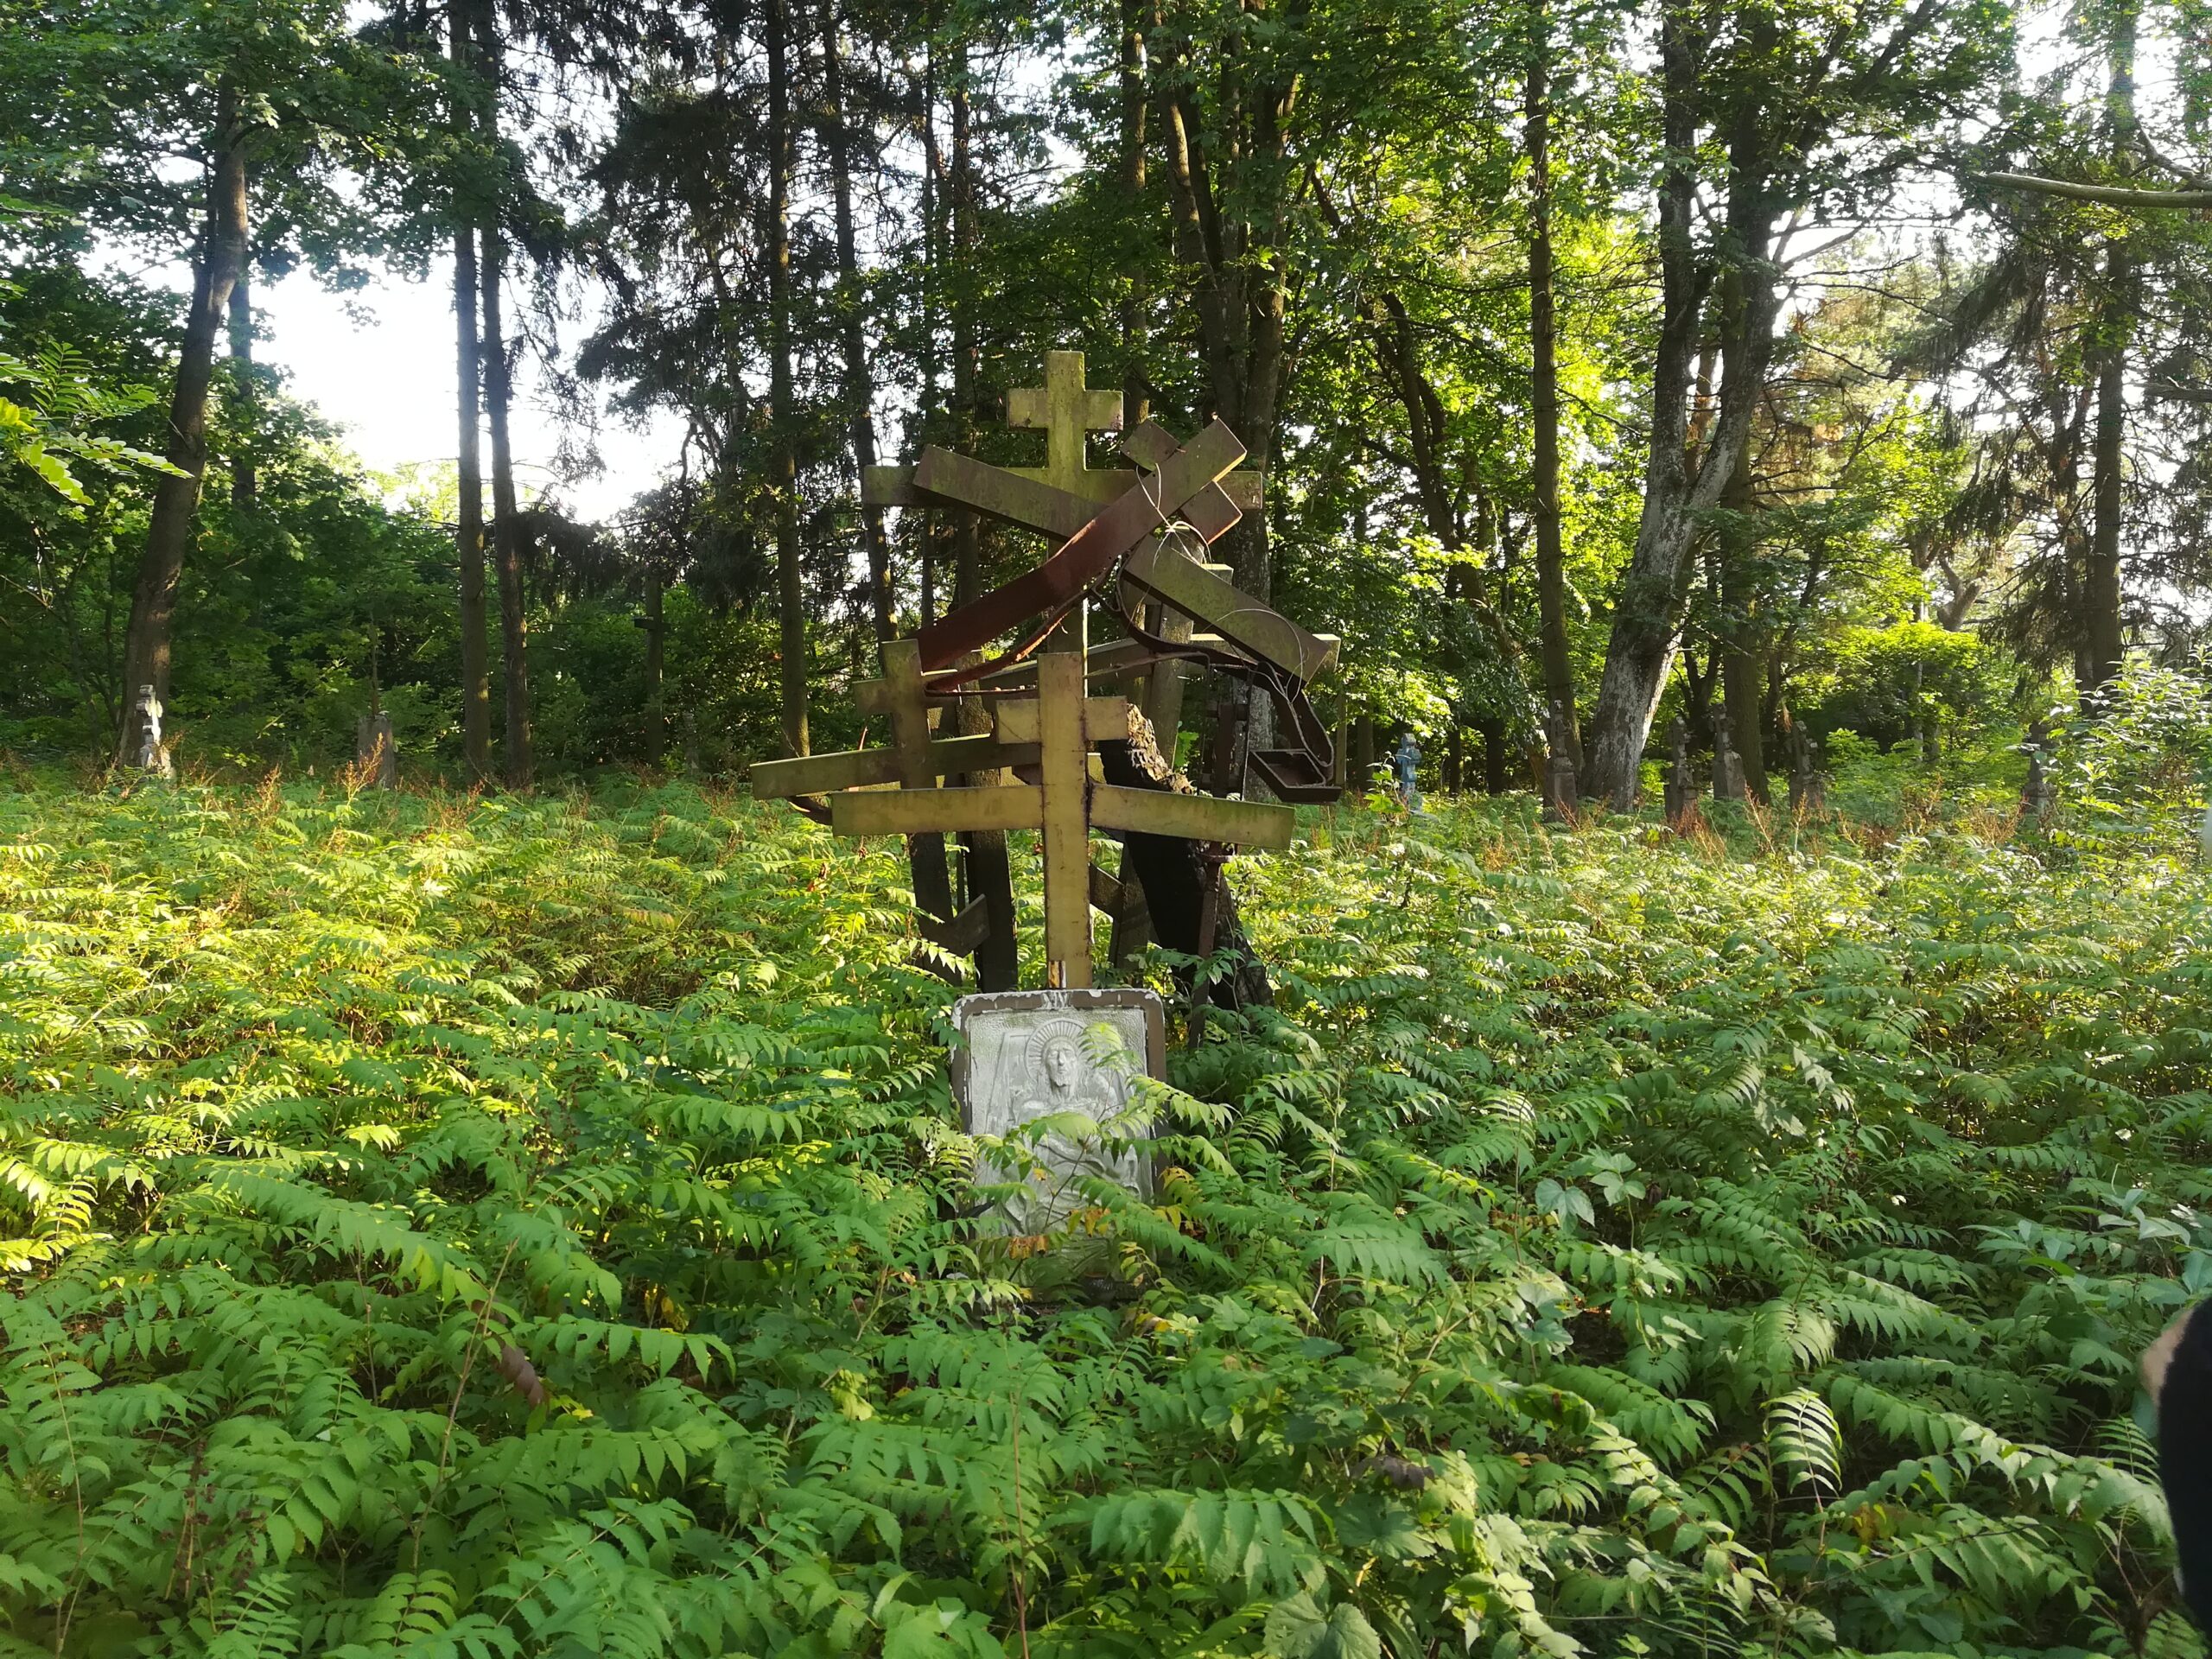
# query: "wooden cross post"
{"points": [[1064, 804], [1067, 412]]}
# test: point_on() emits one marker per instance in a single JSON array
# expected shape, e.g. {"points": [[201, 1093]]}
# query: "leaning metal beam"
{"points": [[1121, 526]]}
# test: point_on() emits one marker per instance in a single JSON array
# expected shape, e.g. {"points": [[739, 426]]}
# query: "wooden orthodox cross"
{"points": [[1042, 727]]}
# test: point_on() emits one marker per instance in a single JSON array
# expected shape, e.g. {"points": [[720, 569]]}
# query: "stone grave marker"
{"points": [[1727, 769], [1560, 791], [1024, 1055]]}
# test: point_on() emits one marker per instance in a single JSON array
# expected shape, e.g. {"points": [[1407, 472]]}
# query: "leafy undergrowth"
{"points": [[538, 1228]]}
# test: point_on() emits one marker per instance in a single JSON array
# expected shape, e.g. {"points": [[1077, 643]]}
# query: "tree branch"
{"points": [[2113, 196]]}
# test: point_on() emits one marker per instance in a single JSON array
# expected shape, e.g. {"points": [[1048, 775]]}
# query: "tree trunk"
{"points": [[655, 623], [783, 414], [965, 530], [476, 670], [859, 387], [507, 528], [176, 499], [1741, 646], [1496, 772], [1646, 631], [2105, 643], [1543, 339], [1229, 190], [1136, 384], [244, 483]]}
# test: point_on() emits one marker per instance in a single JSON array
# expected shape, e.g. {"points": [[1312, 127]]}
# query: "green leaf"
{"points": [[1297, 1629]]}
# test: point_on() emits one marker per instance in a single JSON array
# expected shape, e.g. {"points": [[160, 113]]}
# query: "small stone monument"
{"points": [[149, 753], [1808, 785], [1681, 782], [1560, 789], [375, 752], [1727, 768], [1025, 1055], [2037, 797], [1406, 761]]}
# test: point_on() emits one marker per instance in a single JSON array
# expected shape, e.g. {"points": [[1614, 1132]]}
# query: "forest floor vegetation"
{"points": [[441, 1225]]}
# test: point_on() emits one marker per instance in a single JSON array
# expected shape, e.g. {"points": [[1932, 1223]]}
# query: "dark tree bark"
{"points": [[1543, 397], [783, 413], [221, 257], [243, 484], [1136, 385], [965, 530], [1228, 189], [475, 668], [506, 526], [860, 386], [1741, 643], [2105, 643], [655, 625], [1497, 767]]}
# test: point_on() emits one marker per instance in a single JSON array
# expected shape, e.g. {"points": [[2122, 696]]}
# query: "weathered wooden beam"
{"points": [[898, 487], [1064, 782], [1161, 570], [910, 720], [1190, 817], [1105, 719], [825, 774], [1105, 891], [962, 934], [1210, 511], [1108, 659], [891, 486], [881, 697], [913, 811], [1004, 493], [1031, 772]]}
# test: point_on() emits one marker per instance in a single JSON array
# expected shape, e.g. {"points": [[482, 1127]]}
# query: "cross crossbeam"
{"points": [[1063, 805]]}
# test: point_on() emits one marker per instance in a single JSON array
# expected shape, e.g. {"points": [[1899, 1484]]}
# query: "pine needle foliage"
{"points": [[486, 1228]]}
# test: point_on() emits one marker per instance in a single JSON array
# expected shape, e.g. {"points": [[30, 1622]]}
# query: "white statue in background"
{"points": [[150, 755]]}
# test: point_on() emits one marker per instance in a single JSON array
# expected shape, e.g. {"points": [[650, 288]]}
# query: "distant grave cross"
{"points": [[1068, 412]]}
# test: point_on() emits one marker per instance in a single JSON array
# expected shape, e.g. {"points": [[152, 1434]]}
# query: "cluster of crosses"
{"points": [[1051, 732]]}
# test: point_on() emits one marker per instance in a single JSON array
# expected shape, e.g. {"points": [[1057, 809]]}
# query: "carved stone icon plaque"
{"points": [[1024, 1055]]}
